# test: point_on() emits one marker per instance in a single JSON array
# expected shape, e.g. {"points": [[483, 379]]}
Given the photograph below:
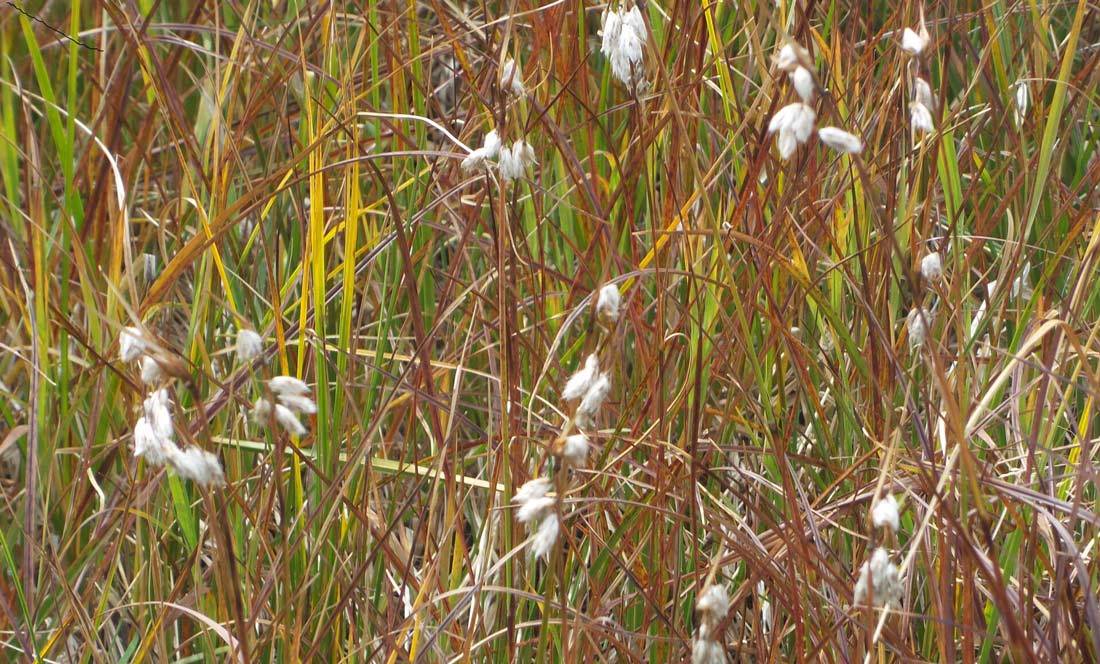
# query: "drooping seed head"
{"points": [[151, 373], [289, 421], [840, 140], [545, 537], [917, 323], [199, 466], [131, 344], [803, 82], [608, 302], [884, 514], [288, 385], [931, 267], [579, 382], [249, 344]]}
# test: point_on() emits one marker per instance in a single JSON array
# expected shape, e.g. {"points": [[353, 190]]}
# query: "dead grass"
{"points": [[194, 167]]}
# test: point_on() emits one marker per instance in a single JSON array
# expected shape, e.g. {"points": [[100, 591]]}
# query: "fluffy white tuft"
{"points": [[931, 267], [840, 140], [288, 385], [147, 444], [575, 448], [199, 466], [885, 513], [878, 579], [131, 344], [578, 383], [608, 302], [543, 541], [158, 410], [288, 420], [920, 117], [511, 79], [714, 601], [917, 323], [249, 344], [593, 400], [913, 42], [803, 82], [151, 373]]}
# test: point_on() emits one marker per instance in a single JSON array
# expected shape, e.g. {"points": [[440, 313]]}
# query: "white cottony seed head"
{"points": [[840, 140], [922, 93], [249, 344], [713, 605], [917, 323], [879, 578], [794, 123], [705, 651], [714, 601], [803, 82], [490, 148], [787, 144], [885, 513], [155, 449], [920, 117], [545, 536], [513, 162], [607, 304], [199, 466], [298, 403], [791, 56], [288, 420], [288, 385], [511, 79], [593, 400], [158, 410], [491, 143], [913, 42], [534, 509], [261, 410], [931, 267], [131, 344], [797, 118], [623, 34], [579, 382], [151, 373], [574, 449], [536, 488]]}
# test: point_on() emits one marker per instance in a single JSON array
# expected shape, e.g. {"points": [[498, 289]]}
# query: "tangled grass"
{"points": [[190, 169]]}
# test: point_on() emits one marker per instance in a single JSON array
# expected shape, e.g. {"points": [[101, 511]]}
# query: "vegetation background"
{"points": [[199, 166]]}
